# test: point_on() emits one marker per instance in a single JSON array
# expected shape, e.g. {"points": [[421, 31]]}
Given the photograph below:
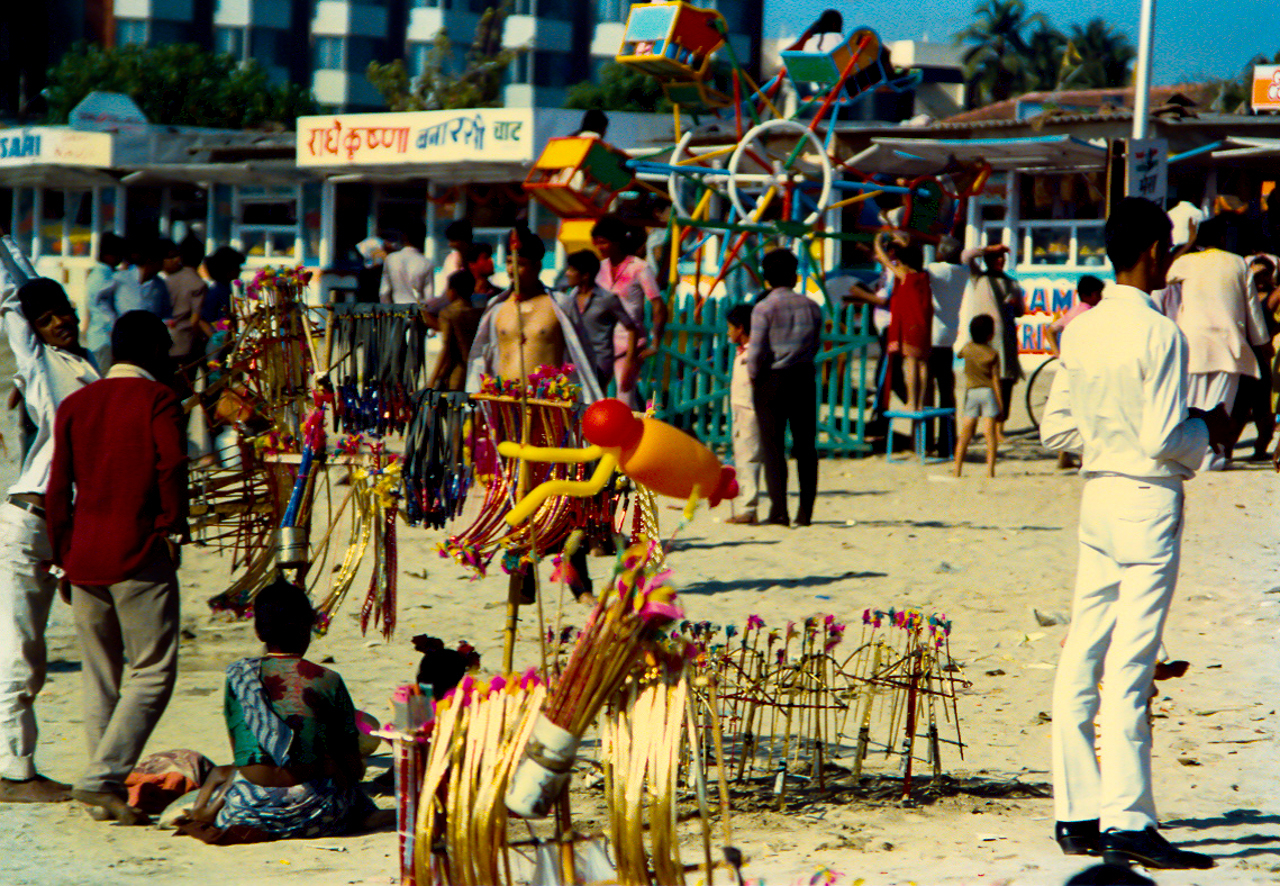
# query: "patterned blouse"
{"points": [[312, 700]]}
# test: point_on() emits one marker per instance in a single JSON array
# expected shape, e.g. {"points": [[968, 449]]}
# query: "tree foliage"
{"points": [[1234, 94], [477, 85], [1004, 57], [176, 84], [619, 88]]}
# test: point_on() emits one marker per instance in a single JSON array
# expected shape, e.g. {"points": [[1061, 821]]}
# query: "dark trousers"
{"points": [[788, 397], [942, 379]]}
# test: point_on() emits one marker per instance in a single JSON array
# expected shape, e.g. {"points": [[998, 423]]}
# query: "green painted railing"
{"points": [[688, 379]]}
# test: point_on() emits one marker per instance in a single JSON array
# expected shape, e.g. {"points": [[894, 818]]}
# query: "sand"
{"points": [[988, 553]]}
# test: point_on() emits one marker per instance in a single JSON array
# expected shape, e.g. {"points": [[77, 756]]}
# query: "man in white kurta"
{"points": [[1222, 319], [1120, 397]]}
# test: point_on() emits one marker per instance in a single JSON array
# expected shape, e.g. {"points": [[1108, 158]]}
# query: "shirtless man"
{"points": [[525, 329], [528, 331]]}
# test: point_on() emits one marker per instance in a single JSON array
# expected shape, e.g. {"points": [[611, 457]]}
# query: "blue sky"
{"points": [[1226, 34]]}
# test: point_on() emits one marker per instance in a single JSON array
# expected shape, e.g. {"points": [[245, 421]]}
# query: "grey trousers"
{"points": [[135, 622]]}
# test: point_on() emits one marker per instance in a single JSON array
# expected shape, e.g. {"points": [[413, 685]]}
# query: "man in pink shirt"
{"points": [[628, 277]]}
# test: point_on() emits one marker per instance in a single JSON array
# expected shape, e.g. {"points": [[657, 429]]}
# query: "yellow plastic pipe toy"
{"points": [[651, 452]]}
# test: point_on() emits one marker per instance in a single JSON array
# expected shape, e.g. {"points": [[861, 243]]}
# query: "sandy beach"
{"points": [[991, 554]]}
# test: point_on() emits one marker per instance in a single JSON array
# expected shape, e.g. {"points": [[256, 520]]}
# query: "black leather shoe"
{"points": [[1077, 837], [1150, 850]]}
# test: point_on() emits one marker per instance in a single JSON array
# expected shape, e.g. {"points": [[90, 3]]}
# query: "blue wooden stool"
{"points": [[919, 419]]}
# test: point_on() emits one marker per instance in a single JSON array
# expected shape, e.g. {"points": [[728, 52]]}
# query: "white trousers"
{"points": [[1130, 540], [746, 457], [1205, 390], [26, 596]]}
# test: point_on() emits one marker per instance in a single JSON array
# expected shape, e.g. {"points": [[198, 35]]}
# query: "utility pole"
{"points": [[1142, 82]]}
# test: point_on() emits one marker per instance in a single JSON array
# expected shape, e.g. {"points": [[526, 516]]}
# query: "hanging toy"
{"points": [[651, 452]]}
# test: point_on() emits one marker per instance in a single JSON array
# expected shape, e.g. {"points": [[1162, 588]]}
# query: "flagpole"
{"points": [[1142, 85]]}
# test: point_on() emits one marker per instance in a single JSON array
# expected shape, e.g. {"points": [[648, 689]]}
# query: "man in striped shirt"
{"points": [[785, 331]]}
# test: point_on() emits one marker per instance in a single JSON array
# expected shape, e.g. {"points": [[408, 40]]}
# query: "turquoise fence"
{"points": [[688, 379]]}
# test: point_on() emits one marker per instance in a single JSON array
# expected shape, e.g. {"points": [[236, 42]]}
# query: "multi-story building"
{"points": [[326, 45]]}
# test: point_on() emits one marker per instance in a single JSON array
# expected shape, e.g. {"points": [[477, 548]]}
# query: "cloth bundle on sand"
{"points": [[161, 778]]}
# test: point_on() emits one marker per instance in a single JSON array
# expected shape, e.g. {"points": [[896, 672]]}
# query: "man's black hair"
{"points": [[191, 251], [982, 329], [462, 284], [141, 338], [112, 245], [1089, 284], [611, 228], [478, 249], [780, 267], [224, 264], [910, 254], [739, 316], [585, 262], [1212, 232], [528, 244], [1133, 226], [458, 230], [153, 251], [42, 295], [283, 616], [596, 121]]}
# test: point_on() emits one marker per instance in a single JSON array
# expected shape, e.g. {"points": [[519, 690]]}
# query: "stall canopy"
{"points": [[261, 174], [1234, 148], [924, 156]]}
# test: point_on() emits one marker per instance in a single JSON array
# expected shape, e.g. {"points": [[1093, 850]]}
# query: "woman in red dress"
{"points": [[910, 314]]}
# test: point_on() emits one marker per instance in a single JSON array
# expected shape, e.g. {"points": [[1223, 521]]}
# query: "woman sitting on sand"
{"points": [[292, 723]]}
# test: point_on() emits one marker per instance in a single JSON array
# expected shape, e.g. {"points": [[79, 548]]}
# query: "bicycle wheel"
{"points": [[1038, 386]]}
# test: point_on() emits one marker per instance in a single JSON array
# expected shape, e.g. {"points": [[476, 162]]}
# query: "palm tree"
{"points": [[996, 62], [1106, 55], [1045, 48]]}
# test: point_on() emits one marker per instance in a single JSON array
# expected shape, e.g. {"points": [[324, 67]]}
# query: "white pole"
{"points": [[1142, 83]]}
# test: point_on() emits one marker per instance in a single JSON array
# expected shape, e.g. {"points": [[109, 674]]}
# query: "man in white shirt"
{"points": [[948, 278], [44, 334], [1222, 319], [407, 277], [1120, 396]]}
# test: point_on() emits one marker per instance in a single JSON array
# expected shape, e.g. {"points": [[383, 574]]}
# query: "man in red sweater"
{"points": [[117, 509]]}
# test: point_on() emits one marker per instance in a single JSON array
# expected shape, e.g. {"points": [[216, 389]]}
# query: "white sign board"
{"points": [[1265, 91], [490, 135], [1147, 169], [33, 145]]}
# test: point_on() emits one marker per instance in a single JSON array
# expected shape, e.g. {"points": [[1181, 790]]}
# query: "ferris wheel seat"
{"points": [[671, 40], [578, 176], [825, 68]]}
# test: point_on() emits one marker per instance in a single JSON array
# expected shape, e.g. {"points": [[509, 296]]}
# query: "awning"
{"points": [[1237, 148], [53, 175], [926, 156], [262, 174], [440, 173]]}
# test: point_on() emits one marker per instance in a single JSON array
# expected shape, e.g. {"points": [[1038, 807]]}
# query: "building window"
{"points": [[269, 47], [518, 70], [419, 54], [268, 222], [329, 54], [361, 51], [432, 4], [612, 10], [131, 32], [557, 9], [230, 41], [552, 68]]}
